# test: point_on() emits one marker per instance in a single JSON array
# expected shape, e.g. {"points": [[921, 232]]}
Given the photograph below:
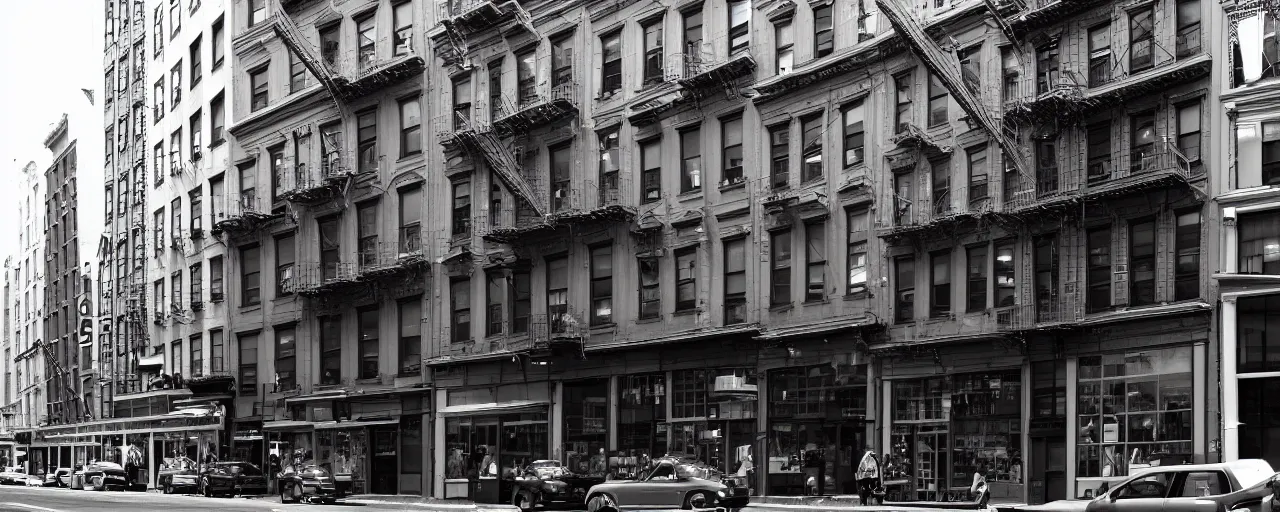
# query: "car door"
{"points": [[659, 488], [1145, 493], [1195, 491]]}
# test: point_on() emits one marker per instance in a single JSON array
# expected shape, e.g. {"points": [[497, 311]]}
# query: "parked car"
{"points": [[1234, 485], [232, 478], [309, 483], [548, 482], [1269, 503], [12, 476], [671, 483], [54, 479], [102, 476], [177, 475]]}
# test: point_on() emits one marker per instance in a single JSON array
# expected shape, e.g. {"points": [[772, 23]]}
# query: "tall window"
{"points": [[217, 121], [285, 259], [1046, 167], [367, 133], [731, 131], [1047, 68], [857, 251], [976, 259], [941, 184], [784, 47], [1011, 68], [1189, 131], [248, 364], [1141, 39], [410, 219], [197, 355], [1099, 151], [602, 285], [1049, 389], [938, 100], [561, 61], [250, 276], [175, 222], [175, 152], [561, 164], [258, 84], [367, 38], [462, 102], [286, 358], [780, 268], [903, 196], [940, 284], [692, 37], [686, 278], [611, 70], [779, 155], [610, 158], [194, 52], [904, 288], [410, 125], [279, 179], [460, 299], [330, 248], [495, 96], [218, 42], [1005, 273], [257, 12], [462, 209], [557, 293], [402, 17], [1099, 55], [653, 70], [824, 40], [1142, 262], [367, 319], [1142, 141], [176, 352], [735, 281], [1258, 330], [367, 234], [175, 283], [650, 289], [1187, 248], [854, 134], [811, 127], [903, 95], [196, 136], [494, 281], [330, 46], [522, 300], [297, 74], [1271, 152], [1259, 244], [215, 279], [815, 261], [197, 284], [410, 336], [217, 351], [330, 350], [526, 78], [691, 160], [978, 175], [1046, 277], [157, 110], [971, 67], [1099, 298], [1188, 39], [739, 21], [651, 171]]}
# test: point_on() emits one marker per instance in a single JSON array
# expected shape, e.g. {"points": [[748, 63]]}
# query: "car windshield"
{"points": [[242, 468], [696, 470], [315, 472], [1251, 472]]}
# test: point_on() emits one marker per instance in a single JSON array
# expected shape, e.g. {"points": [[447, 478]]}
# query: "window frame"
{"points": [[654, 72], [813, 132], [460, 308], [854, 136], [815, 260], [735, 302], [1095, 266], [461, 213], [260, 89], [781, 255], [904, 288], [363, 344], [250, 293], [1138, 256], [824, 43], [1136, 62], [687, 281], [650, 177], [247, 343], [976, 261], [601, 283], [650, 284], [940, 299], [286, 358], [610, 68], [407, 341]]}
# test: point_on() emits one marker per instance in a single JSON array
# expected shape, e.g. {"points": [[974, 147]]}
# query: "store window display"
{"points": [[713, 419], [817, 428], [344, 454], [586, 416], [642, 423]]}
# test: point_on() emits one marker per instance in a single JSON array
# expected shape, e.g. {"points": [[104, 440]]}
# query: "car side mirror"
{"points": [[1113, 497]]}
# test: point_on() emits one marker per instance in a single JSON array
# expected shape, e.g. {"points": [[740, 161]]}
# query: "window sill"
{"points": [[816, 302], [217, 143], [286, 297], [250, 308], [609, 326], [733, 186], [369, 380], [684, 312], [781, 307], [690, 195], [410, 157], [653, 320], [855, 295]]}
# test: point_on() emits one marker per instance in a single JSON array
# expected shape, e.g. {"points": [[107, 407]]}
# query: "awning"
{"points": [[150, 361], [333, 425], [512, 407], [317, 397], [287, 425]]}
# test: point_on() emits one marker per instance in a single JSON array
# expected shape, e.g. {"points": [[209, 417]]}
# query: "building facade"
{"points": [[28, 302]]}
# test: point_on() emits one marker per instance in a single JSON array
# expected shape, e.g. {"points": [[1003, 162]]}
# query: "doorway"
{"points": [[386, 467]]}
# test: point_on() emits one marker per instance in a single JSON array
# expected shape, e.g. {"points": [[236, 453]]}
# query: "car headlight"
{"points": [[720, 493]]}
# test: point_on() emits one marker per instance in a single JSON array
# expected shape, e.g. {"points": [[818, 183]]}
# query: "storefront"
{"points": [[289, 443], [486, 442], [642, 423], [585, 426], [713, 417], [818, 428]]}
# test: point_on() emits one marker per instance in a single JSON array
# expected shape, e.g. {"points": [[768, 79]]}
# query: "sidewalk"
{"points": [[758, 504]]}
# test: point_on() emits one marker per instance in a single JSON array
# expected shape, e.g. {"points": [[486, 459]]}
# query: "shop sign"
{"points": [[86, 321]]}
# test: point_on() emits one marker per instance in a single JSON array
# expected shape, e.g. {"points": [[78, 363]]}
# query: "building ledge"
{"points": [[272, 113], [814, 329], [1247, 194], [699, 334], [1145, 312], [1241, 279], [181, 392]]}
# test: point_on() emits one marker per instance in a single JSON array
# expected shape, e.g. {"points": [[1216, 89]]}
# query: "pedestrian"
{"points": [[978, 489], [868, 475]]}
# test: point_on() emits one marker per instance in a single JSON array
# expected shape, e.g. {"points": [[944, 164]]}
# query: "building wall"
{"points": [[29, 301]]}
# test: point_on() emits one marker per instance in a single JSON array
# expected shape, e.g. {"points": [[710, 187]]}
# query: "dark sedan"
{"points": [[232, 479], [102, 476]]}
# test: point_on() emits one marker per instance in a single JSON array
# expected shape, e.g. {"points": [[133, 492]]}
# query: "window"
{"points": [[732, 158], [905, 288], [286, 358], [739, 20], [1187, 250], [823, 32], [402, 17], [941, 182], [1142, 262], [175, 222], [285, 260], [367, 38], [976, 257], [903, 195], [977, 175], [1271, 153], [175, 91], [853, 134], [258, 84], [1259, 235], [162, 309], [1188, 38], [779, 155], [462, 209], [1046, 277], [257, 11], [562, 61], [217, 121], [462, 102], [196, 136], [561, 167], [217, 43], [1142, 141], [1049, 389], [367, 133], [157, 165], [1004, 275], [526, 79], [175, 152], [493, 295], [197, 284], [522, 301], [692, 38], [557, 293], [784, 50], [217, 351], [735, 281], [410, 335], [1189, 131], [940, 279], [1099, 298], [297, 74], [175, 291], [215, 279], [410, 219], [611, 70], [1141, 43], [195, 54], [1099, 55], [197, 355], [1012, 72], [650, 292], [1046, 167], [857, 253], [902, 97], [330, 45], [780, 269], [278, 179], [651, 170], [410, 125], [811, 128], [815, 261], [686, 278], [248, 364], [610, 156], [602, 285], [367, 323], [250, 274], [158, 221], [330, 350], [1258, 331], [175, 20], [330, 248], [938, 100], [1047, 64], [971, 67], [1099, 151], [653, 70], [158, 97], [157, 30]]}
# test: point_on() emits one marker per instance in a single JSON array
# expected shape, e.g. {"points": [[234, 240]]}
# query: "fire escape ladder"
{"points": [[507, 168], [51, 360], [297, 43], [946, 68], [1003, 23]]}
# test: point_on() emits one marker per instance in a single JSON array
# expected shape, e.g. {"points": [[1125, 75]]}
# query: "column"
{"points": [[1198, 386], [1025, 420], [1230, 384], [440, 401], [151, 459], [886, 416], [1072, 425], [614, 404], [760, 457], [557, 422]]}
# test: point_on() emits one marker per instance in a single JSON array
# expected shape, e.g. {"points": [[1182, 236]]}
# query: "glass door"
{"points": [[932, 463]]}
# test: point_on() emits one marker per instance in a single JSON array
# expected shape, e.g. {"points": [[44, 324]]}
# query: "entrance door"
{"points": [[386, 466], [932, 464]]}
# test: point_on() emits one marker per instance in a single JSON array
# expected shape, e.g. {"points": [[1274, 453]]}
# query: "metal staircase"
{"points": [[503, 163]]}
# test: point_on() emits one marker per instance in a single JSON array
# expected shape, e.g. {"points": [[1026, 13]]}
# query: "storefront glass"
{"points": [[585, 432], [344, 453], [286, 449], [817, 428], [1135, 411], [713, 418], [134, 454], [642, 427]]}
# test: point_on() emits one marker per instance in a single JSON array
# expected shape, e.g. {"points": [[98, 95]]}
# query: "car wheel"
{"points": [[601, 503], [168, 489], [286, 493], [96, 483], [523, 500], [698, 499]]}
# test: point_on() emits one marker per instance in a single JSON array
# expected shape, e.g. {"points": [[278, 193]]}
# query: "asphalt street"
{"points": [[40, 499]]}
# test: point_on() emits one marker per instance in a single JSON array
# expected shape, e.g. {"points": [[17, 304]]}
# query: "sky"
{"points": [[49, 50]]}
